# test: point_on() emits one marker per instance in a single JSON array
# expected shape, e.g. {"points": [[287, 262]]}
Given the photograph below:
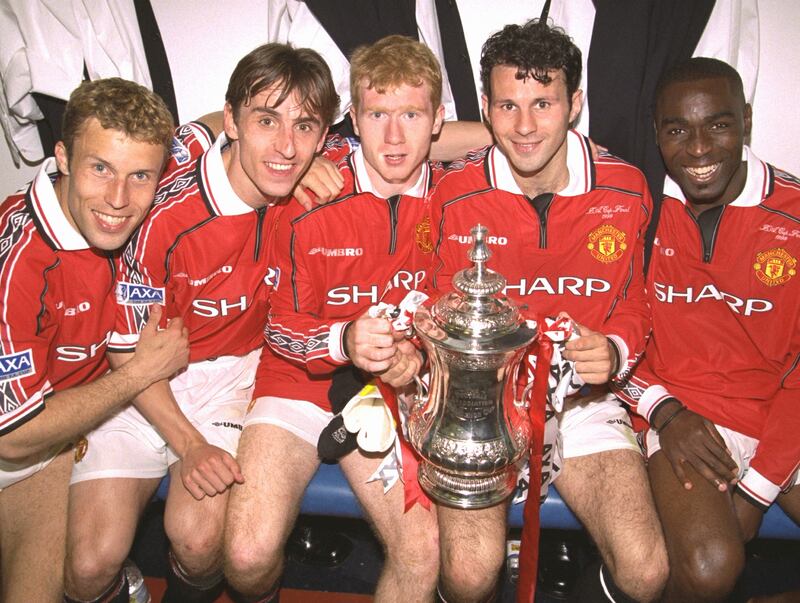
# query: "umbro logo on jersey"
{"points": [[467, 239], [131, 294], [179, 151], [14, 366], [341, 251]]}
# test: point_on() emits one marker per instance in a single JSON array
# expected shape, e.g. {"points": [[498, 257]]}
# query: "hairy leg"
{"points": [[277, 466], [473, 550], [610, 494], [33, 524], [410, 540]]}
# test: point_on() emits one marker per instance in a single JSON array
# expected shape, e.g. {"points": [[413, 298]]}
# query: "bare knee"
{"points": [[91, 566], [252, 564], [415, 559], [470, 574], [199, 547], [709, 571], [640, 571]]}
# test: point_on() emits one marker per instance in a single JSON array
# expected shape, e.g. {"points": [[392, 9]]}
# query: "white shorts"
{"points": [[213, 394], [304, 419], [11, 473], [586, 425], [742, 447]]}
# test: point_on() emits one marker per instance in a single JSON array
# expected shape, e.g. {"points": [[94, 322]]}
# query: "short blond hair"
{"points": [[391, 62], [121, 105]]}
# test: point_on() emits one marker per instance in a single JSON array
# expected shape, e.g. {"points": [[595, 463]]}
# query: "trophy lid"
{"points": [[474, 309]]}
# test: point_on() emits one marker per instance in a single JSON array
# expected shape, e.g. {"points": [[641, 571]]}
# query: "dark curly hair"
{"points": [[534, 49]]}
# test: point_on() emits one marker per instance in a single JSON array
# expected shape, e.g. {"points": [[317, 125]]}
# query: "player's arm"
{"points": [[613, 353], [457, 138], [778, 454], [295, 328], [206, 470], [70, 413], [685, 436]]}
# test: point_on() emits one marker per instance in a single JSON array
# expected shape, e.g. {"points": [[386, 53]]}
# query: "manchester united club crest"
{"points": [[80, 449], [422, 235], [607, 244], [775, 266]]}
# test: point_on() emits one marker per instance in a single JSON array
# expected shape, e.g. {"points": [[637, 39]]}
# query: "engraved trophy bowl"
{"points": [[470, 428]]}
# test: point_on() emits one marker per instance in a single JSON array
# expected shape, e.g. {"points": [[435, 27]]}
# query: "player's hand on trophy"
{"points": [[321, 183], [691, 440], [370, 343], [207, 470], [161, 353], [594, 355], [406, 363]]}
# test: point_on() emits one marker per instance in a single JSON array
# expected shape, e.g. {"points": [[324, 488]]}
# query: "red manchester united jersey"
{"points": [[333, 263], [203, 253], [57, 307], [579, 250], [726, 320]]}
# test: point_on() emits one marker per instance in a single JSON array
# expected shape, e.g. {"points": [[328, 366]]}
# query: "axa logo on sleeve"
{"points": [[356, 294], [669, 294], [131, 294], [79, 353], [14, 366]]}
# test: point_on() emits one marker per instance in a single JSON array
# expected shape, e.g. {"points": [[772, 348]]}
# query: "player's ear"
{"points": [[229, 122], [62, 158]]}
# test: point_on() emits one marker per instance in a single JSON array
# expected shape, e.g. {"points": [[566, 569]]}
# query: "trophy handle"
{"points": [[523, 403], [422, 390]]}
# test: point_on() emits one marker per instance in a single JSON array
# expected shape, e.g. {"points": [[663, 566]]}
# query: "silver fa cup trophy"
{"points": [[470, 428]]}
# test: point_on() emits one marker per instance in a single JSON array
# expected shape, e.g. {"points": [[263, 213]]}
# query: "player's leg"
{"points": [[473, 550], [214, 395], [410, 539], [113, 479], [33, 523], [702, 534], [103, 514], [604, 481], [278, 460], [609, 494], [194, 529]]}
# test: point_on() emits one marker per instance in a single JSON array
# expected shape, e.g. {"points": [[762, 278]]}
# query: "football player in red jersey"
{"points": [[569, 238], [719, 380], [58, 310], [204, 252], [334, 262]]}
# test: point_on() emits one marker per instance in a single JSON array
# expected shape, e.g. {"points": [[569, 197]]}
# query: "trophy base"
{"points": [[466, 492]]}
